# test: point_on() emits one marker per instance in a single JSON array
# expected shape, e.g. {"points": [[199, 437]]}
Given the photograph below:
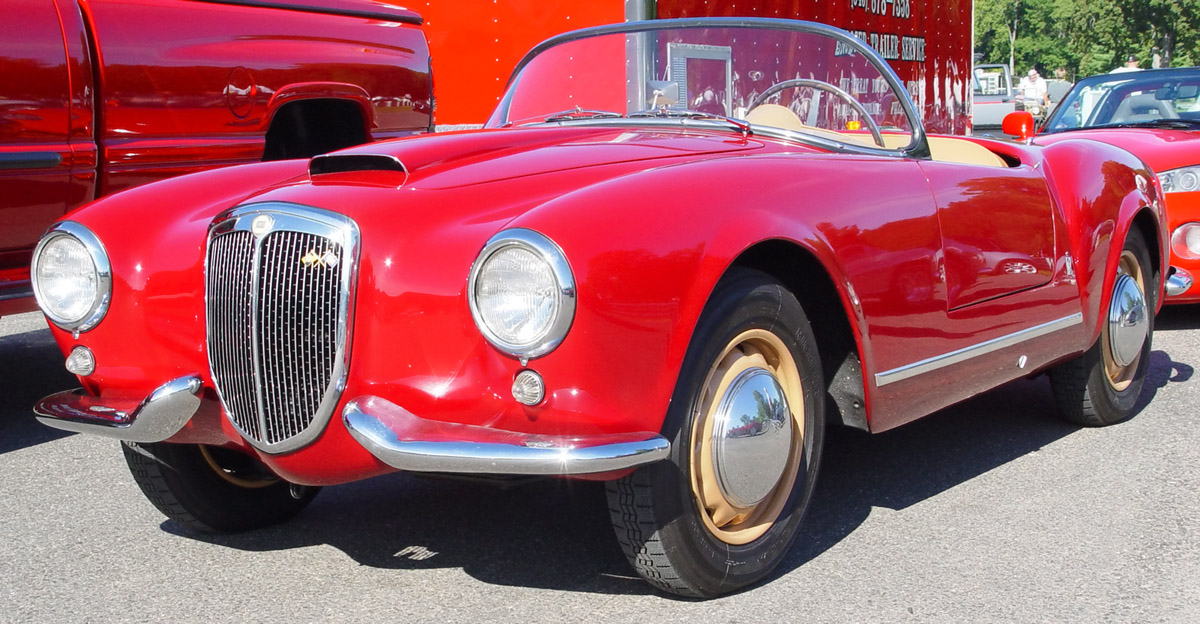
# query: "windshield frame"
{"points": [[1092, 82], [918, 146]]}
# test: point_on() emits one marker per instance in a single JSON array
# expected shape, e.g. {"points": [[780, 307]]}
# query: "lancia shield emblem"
{"points": [[261, 225]]}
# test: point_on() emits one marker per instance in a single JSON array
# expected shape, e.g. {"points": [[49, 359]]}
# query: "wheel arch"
{"points": [[315, 118], [803, 274]]}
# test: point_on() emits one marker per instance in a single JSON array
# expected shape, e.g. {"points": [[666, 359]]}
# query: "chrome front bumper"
{"points": [[406, 441], [391, 433], [1178, 281], [156, 418]]}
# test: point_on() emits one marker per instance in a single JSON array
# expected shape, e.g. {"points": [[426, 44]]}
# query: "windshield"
{"points": [[1168, 98], [763, 76]]}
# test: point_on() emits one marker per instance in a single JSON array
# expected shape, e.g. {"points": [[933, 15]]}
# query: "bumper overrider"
{"points": [[394, 435], [1178, 281]]}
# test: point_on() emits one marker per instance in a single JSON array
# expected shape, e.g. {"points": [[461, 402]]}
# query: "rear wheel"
{"points": [[1101, 387], [213, 489], [746, 425]]}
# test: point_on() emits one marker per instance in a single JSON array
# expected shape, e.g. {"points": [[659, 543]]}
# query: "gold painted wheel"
{"points": [[237, 471], [725, 516], [1120, 376]]}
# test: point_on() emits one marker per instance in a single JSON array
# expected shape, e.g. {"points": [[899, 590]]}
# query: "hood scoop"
{"points": [[344, 163]]}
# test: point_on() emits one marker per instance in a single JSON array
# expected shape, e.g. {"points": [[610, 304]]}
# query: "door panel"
{"points": [[35, 155], [997, 227]]}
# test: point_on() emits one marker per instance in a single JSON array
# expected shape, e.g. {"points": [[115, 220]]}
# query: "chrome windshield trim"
{"points": [[685, 123], [158, 417], [405, 441], [918, 146], [939, 362]]}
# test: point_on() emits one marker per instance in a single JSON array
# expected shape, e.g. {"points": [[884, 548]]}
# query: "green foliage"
{"points": [[1087, 36]]}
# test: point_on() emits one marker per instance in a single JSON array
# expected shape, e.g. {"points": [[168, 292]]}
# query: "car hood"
{"points": [[476, 157], [1161, 149]]}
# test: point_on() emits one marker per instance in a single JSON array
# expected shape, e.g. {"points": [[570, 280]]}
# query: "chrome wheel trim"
{"points": [[1128, 324], [752, 437], [727, 505]]}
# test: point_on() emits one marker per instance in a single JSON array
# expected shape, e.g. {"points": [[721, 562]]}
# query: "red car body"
{"points": [[1165, 136], [101, 95], [928, 280]]}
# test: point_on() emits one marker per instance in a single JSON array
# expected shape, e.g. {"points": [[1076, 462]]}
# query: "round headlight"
{"points": [[72, 279], [522, 293]]}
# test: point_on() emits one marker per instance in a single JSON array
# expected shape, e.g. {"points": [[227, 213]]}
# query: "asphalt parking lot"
{"points": [[992, 511]]}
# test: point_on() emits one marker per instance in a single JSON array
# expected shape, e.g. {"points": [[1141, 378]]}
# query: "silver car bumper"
{"points": [[1178, 281], [391, 433], [406, 441], [156, 418]]}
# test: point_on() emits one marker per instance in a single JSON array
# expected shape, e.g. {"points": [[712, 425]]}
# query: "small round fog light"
{"points": [[528, 388], [81, 361]]}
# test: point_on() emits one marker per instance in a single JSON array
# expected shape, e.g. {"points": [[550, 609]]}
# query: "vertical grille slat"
{"points": [[275, 342]]}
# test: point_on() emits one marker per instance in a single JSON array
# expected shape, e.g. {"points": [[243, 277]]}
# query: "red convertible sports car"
{"points": [[1154, 114], [624, 277]]}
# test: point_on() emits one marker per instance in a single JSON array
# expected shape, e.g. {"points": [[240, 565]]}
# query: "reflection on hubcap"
{"points": [[752, 437], [1128, 321], [747, 437]]}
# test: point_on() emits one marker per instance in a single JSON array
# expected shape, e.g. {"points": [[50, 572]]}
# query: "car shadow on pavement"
{"points": [[30, 368], [555, 534], [1178, 317]]}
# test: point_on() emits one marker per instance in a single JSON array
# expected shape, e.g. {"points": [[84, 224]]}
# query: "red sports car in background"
{"points": [[1154, 114], [624, 277]]}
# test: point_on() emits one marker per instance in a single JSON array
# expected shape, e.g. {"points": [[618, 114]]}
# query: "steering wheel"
{"points": [[822, 86]]}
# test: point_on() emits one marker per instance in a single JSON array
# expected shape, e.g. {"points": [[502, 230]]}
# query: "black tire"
{"points": [[1093, 389], [657, 510], [211, 489]]}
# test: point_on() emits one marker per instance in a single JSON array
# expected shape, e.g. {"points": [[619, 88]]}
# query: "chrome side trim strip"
{"points": [[406, 441], [939, 362], [158, 417]]}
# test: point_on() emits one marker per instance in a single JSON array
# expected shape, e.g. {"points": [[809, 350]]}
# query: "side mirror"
{"points": [[1019, 124]]}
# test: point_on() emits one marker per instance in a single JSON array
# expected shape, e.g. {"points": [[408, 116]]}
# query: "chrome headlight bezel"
{"points": [[1181, 180], [563, 290], [101, 268]]}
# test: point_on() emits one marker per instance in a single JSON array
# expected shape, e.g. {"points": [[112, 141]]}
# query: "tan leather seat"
{"points": [[942, 149]]}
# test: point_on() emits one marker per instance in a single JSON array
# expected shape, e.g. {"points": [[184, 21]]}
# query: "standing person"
{"points": [[1131, 64], [1033, 87]]}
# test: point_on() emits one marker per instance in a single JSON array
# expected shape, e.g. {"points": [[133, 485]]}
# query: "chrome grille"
{"points": [[278, 296]]}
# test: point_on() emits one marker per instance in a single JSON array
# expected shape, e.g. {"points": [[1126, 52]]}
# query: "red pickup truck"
{"points": [[101, 95]]}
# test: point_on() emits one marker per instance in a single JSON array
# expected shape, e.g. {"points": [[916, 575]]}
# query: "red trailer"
{"points": [[474, 51]]}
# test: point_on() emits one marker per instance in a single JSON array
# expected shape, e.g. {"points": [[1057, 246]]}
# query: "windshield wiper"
{"points": [[581, 113], [686, 113]]}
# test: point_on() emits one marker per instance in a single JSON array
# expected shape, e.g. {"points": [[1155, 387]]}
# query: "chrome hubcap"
{"points": [[1128, 321], [752, 437]]}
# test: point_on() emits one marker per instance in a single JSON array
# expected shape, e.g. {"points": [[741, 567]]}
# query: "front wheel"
{"points": [[746, 425], [212, 489], [1101, 387]]}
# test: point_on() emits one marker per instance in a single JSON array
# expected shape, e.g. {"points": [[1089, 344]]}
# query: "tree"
{"points": [[1087, 36]]}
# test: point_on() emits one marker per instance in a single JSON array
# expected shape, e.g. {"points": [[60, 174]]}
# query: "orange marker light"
{"points": [[854, 124]]}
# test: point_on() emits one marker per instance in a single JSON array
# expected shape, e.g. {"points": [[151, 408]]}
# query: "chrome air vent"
{"points": [[278, 295]]}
